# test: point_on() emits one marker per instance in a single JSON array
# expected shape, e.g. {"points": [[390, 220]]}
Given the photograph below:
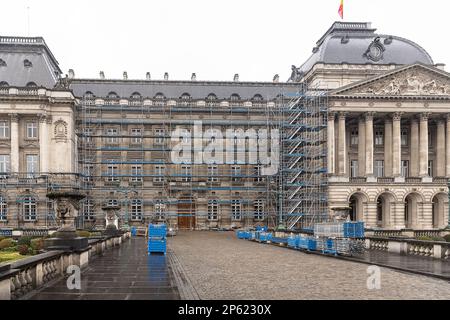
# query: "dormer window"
{"points": [[112, 95], [159, 99], [136, 96], [4, 84], [31, 85], [2, 63], [27, 63], [89, 95]]}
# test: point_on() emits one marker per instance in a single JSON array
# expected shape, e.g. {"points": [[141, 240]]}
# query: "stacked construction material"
{"points": [[157, 237], [243, 234], [262, 236], [339, 230]]}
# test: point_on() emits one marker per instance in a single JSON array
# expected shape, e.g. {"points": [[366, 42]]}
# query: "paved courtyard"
{"points": [[219, 266]]}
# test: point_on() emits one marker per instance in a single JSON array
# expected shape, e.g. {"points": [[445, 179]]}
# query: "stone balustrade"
{"points": [[19, 278], [429, 249]]}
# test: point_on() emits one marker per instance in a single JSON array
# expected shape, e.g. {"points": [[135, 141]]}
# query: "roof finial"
{"points": [[71, 74], [236, 77], [276, 78], [147, 76], [166, 76], [125, 75], [102, 75], [193, 77]]}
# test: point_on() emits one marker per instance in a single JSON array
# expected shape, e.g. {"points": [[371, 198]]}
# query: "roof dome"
{"points": [[357, 43]]}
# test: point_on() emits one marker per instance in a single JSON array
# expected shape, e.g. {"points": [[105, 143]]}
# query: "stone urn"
{"points": [[67, 206], [112, 219], [341, 214]]}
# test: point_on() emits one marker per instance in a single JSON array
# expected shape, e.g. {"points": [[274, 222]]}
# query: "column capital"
{"points": [[424, 116], [397, 116], [342, 115], [369, 115], [331, 116], [42, 117], [14, 117]]}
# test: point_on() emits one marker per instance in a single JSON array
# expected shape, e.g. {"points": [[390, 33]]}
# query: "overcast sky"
{"points": [[215, 39]]}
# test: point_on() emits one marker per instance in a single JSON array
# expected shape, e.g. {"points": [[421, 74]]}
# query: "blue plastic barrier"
{"points": [[157, 234], [157, 246], [354, 230]]}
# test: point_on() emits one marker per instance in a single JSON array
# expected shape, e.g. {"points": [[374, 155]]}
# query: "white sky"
{"points": [[215, 39]]}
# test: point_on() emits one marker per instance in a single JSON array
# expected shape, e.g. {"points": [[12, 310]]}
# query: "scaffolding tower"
{"points": [[302, 183]]}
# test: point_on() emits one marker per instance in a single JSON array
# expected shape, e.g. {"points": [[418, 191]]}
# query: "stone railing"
{"points": [[427, 233], [387, 233], [19, 278], [429, 249]]}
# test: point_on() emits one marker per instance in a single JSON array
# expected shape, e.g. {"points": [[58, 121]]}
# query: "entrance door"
{"points": [[186, 213]]}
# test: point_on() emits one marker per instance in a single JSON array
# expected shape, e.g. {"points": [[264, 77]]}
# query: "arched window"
{"points": [[185, 99], [27, 63], [213, 210], [88, 209], [211, 100], [31, 84], [136, 99], [235, 100], [3, 209], [4, 84], [2, 63], [160, 99], [136, 209], [257, 100], [88, 98], [88, 95], [112, 98], [29, 208]]}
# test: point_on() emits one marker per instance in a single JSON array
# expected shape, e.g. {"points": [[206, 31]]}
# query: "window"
{"points": [[258, 206], [430, 168], [211, 100], [185, 99], [3, 209], [235, 172], [4, 164], [87, 133], [257, 174], [88, 172], [405, 168], [32, 130], [235, 100], [27, 63], [257, 100], [3, 83], [4, 129], [159, 134], [32, 165], [186, 173], [379, 137], [112, 172], [159, 173], [137, 136], [213, 209], [112, 134], [213, 172], [160, 100], [88, 209], [404, 136], [136, 173], [29, 209], [354, 168], [236, 209], [136, 209], [379, 168], [354, 138], [160, 209], [31, 85]]}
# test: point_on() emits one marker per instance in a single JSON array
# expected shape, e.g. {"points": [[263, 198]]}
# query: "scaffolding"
{"points": [[237, 189], [302, 183]]}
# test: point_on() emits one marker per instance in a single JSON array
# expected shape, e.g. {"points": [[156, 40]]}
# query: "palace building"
{"points": [[382, 120]]}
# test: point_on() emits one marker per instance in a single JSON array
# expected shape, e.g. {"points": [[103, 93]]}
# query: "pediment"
{"points": [[415, 80]]}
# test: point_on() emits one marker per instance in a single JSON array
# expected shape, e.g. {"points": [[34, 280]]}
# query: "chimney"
{"points": [[193, 77], [147, 76], [71, 74], [236, 77], [125, 75], [166, 76], [440, 66], [102, 75], [276, 78]]}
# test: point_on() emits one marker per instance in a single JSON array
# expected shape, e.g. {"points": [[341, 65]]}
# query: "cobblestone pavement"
{"points": [[219, 266]]}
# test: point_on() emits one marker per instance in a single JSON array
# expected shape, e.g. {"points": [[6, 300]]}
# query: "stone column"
{"points": [[388, 147], [447, 149], [414, 148], [14, 143], [361, 147], [342, 148], [331, 144], [440, 149], [369, 144], [43, 143], [396, 145], [423, 145]]}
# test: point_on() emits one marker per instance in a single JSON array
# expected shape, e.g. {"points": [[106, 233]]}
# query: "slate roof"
{"points": [[346, 42]]}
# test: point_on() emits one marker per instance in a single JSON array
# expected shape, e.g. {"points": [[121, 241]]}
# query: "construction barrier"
{"points": [[157, 237]]}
